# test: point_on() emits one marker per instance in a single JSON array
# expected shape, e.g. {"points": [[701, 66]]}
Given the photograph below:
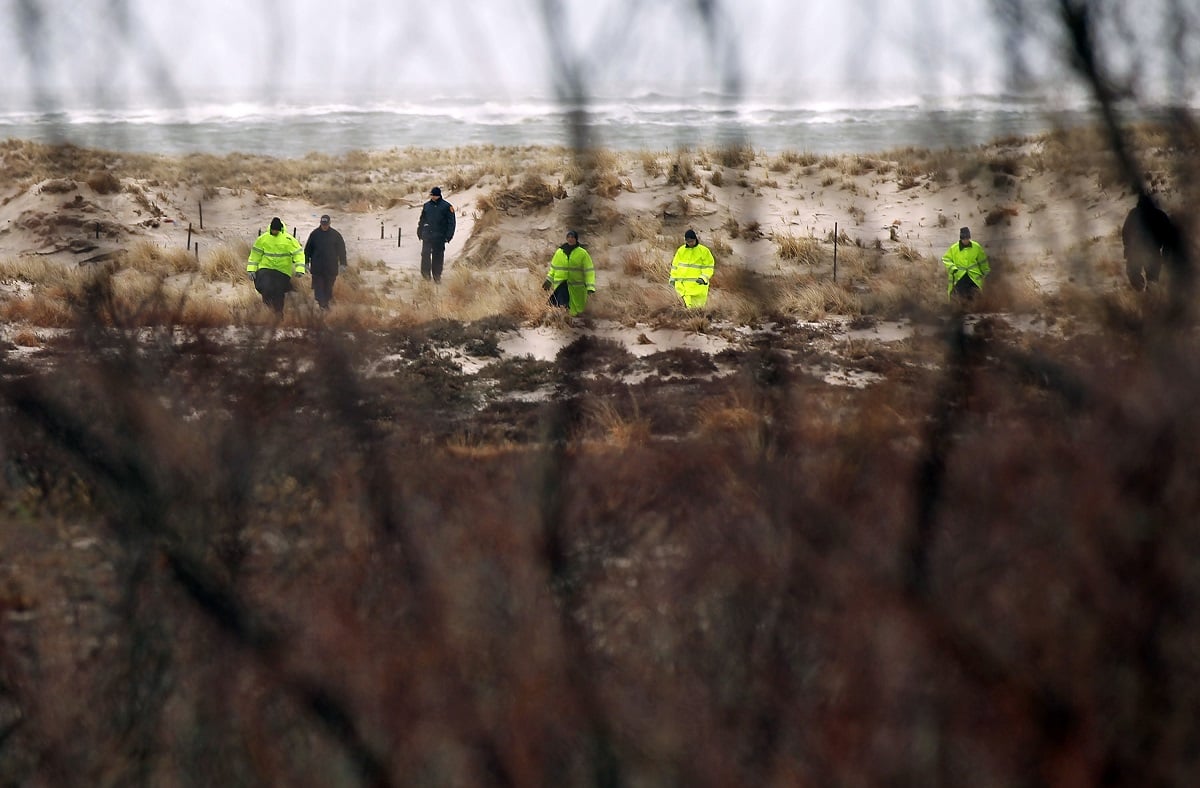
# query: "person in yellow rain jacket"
{"points": [[966, 266], [572, 277], [274, 259], [692, 271]]}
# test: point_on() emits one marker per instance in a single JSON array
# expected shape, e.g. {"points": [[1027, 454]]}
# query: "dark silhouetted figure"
{"points": [[325, 252], [435, 229], [1149, 236]]}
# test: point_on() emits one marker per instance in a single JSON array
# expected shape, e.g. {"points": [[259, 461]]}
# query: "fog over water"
{"points": [[825, 76]]}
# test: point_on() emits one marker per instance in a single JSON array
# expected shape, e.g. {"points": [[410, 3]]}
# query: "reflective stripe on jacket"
{"points": [[572, 265], [690, 264], [280, 252], [575, 268], [972, 262]]}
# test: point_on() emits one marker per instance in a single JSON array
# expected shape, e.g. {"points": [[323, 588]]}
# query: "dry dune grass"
{"points": [[803, 250], [652, 163], [225, 263], [524, 187], [817, 301], [652, 265], [151, 258], [53, 310], [376, 178], [531, 194], [599, 170], [258, 555]]}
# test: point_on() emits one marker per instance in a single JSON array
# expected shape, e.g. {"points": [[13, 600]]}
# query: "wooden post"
{"points": [[381, 231], [97, 231], [398, 234], [200, 205], [189, 245], [835, 251], [197, 251]]}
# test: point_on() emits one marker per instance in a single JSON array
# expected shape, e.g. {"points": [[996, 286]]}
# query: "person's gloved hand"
{"points": [[592, 291], [342, 268], [546, 284], [299, 274], [700, 280], [251, 275]]}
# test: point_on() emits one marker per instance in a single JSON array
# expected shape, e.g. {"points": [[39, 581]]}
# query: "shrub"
{"points": [[532, 194], [682, 171], [104, 182], [805, 250]]}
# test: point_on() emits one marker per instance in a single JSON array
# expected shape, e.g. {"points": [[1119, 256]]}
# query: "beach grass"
{"points": [[516, 183], [373, 543]]}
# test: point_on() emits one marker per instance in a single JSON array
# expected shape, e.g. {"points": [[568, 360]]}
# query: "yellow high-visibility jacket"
{"points": [[573, 265], [281, 252], [691, 272], [972, 262]]}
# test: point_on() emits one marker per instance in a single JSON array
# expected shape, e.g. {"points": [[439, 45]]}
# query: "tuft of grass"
{"points": [[805, 250], [1000, 214], [483, 250], [603, 173], [652, 165], [605, 420], [719, 246], [58, 186], [736, 156], [104, 182], [225, 263], [644, 227], [817, 300], [682, 170], [639, 262], [149, 257], [532, 194], [26, 338]]}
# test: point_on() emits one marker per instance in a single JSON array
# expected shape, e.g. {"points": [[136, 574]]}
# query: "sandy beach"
{"points": [[1044, 208]]}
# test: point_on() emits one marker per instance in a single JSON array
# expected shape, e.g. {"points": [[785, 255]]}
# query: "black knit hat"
{"points": [[276, 224], [690, 235], [436, 191]]}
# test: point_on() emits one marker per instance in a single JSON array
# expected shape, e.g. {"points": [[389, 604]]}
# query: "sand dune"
{"points": [[1043, 216]]}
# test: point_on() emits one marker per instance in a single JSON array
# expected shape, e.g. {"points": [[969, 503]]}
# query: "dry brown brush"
{"points": [[301, 559]]}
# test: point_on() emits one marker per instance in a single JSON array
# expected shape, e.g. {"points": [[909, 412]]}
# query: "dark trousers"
{"points": [[966, 288], [272, 285], [433, 254], [561, 296], [1139, 260], [322, 285]]}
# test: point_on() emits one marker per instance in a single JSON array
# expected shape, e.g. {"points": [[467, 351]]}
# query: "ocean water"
{"points": [[651, 121]]}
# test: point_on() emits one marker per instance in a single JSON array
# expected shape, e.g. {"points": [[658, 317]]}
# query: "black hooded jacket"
{"points": [[437, 222], [325, 250]]}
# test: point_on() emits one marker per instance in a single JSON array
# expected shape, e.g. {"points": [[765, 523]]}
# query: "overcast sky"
{"points": [[82, 51], [76, 49]]}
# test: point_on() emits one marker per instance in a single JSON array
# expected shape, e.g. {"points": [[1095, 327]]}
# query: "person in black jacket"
{"points": [[325, 252], [1150, 238], [435, 229]]}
